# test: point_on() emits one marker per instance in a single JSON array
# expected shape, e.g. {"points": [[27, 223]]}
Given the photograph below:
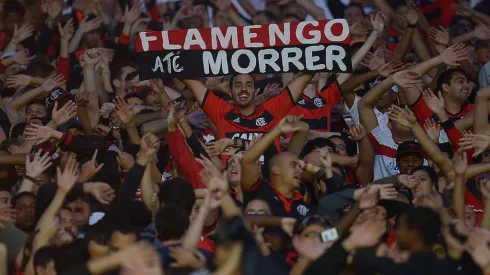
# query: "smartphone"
{"points": [[459, 237], [329, 235]]}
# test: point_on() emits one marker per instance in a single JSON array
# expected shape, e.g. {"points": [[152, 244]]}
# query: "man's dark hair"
{"points": [[13, 7], [18, 130], [357, 6], [21, 195], [235, 75], [426, 222], [177, 191], [44, 256], [446, 77], [431, 172], [172, 222], [117, 68], [127, 230]]}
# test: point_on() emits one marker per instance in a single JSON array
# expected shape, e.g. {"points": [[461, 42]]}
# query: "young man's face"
{"points": [[408, 162], [243, 90], [289, 170], [34, 112], [153, 99], [234, 171], [5, 199], [67, 222], [81, 212], [459, 90], [124, 83], [340, 146], [25, 213]]}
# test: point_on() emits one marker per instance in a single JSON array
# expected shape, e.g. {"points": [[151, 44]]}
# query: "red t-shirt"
{"points": [[316, 111], [230, 123]]}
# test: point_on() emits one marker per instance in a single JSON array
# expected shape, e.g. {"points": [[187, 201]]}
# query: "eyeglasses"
{"points": [[260, 212]]}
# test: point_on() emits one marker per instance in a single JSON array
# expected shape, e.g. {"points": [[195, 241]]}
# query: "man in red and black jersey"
{"points": [[316, 106], [243, 118]]}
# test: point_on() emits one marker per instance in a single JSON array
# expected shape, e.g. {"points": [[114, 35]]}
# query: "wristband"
{"points": [[29, 178], [411, 26]]}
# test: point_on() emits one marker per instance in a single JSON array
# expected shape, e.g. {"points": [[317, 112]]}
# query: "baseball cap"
{"points": [[381, 79], [408, 148]]}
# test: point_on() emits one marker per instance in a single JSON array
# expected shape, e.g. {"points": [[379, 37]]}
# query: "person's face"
{"points": [[25, 213], [408, 162], [67, 222], [48, 270], [243, 90], [234, 171], [469, 217], [35, 111], [81, 212], [289, 170], [153, 99], [114, 119], [258, 207], [124, 83], [459, 90], [424, 183], [340, 146], [353, 15], [119, 240], [5, 199], [483, 54], [97, 251], [12, 19], [462, 26], [91, 39]]}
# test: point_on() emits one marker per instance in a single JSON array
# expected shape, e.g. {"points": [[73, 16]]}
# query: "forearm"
{"points": [[17, 159], [348, 220], [53, 209], [431, 149], [134, 137], [301, 266], [298, 140], [419, 47], [84, 120], [75, 41], [193, 234], [64, 45], [424, 67], [371, 98], [365, 169], [480, 16], [477, 169], [229, 208], [147, 189], [89, 79], [312, 9], [404, 45], [106, 77], [144, 118], [361, 53], [458, 196], [22, 100], [236, 19], [258, 149], [347, 87], [156, 126], [463, 38]]}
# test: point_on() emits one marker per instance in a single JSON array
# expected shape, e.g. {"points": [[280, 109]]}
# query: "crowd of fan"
{"points": [[382, 171]]}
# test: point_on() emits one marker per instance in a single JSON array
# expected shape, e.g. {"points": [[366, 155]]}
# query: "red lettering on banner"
{"points": [[263, 36]]}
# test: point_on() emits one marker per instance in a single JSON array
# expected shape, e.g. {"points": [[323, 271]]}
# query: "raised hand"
{"points": [[20, 34], [198, 120], [435, 103], [19, 81], [411, 15], [219, 146], [365, 235], [289, 124], [124, 112], [369, 198], [404, 117], [460, 162], [325, 158], [92, 57], [378, 21], [54, 82], [209, 172], [22, 57], [431, 200], [452, 55], [361, 29], [478, 142], [174, 116], [271, 90], [482, 32], [66, 179], [408, 181], [81, 99], [134, 13], [89, 25], [39, 133], [441, 35], [125, 160], [312, 249], [67, 31], [433, 129], [479, 249], [149, 144], [386, 191], [65, 113], [90, 168], [406, 79], [390, 68], [101, 191], [357, 132], [38, 165]]}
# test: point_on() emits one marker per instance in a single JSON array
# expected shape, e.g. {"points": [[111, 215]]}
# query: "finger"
{"points": [[99, 168], [94, 156]]}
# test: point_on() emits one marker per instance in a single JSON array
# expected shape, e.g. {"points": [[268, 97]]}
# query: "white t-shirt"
{"points": [[354, 113], [384, 153]]}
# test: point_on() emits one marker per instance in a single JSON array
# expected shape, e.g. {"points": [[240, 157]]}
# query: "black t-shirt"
{"points": [[280, 205]]}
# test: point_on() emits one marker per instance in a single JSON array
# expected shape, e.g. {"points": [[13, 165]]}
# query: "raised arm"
{"points": [[460, 163], [49, 85], [89, 60], [365, 170], [480, 115], [34, 168], [197, 87], [411, 16]]}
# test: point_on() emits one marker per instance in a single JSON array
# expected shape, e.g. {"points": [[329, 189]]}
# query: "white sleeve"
{"points": [[383, 136], [354, 110]]}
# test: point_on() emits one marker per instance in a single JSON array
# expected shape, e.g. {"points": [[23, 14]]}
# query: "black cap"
{"points": [[408, 148]]}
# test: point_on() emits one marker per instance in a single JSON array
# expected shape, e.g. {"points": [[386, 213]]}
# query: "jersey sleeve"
{"points": [[421, 110], [354, 110], [214, 107], [280, 105], [331, 94], [380, 139]]}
